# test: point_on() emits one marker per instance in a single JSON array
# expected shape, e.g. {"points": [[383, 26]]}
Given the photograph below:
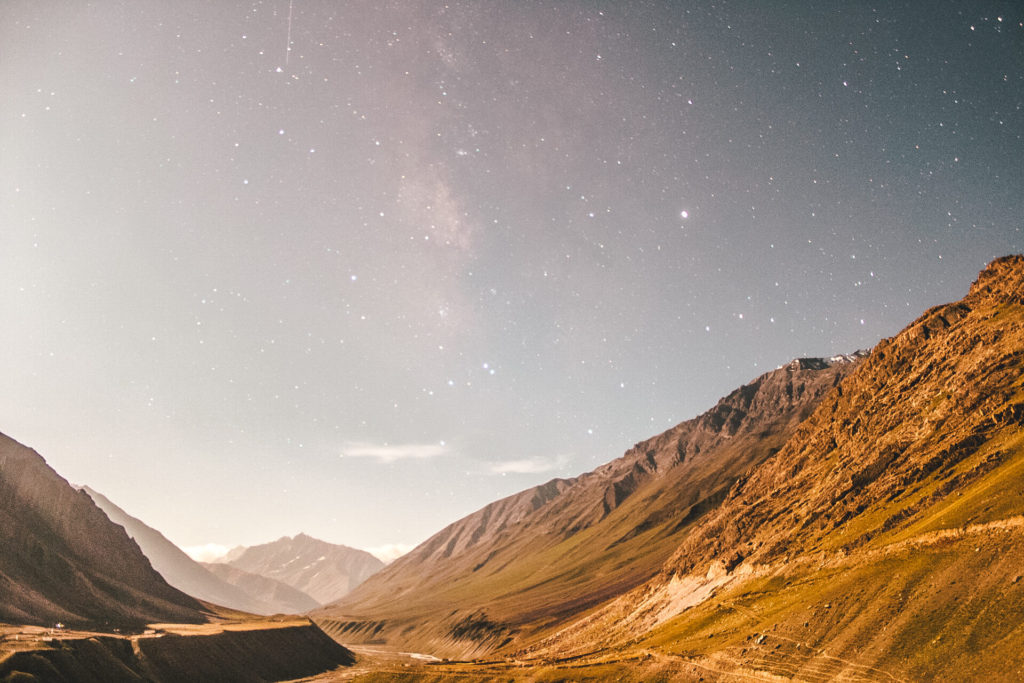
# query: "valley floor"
{"points": [[770, 663]]}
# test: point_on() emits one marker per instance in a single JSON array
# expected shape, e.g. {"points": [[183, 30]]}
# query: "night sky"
{"points": [[359, 268]]}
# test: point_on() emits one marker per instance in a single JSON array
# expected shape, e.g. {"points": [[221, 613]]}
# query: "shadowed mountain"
{"points": [[324, 571], [531, 561], [63, 560], [256, 595]]}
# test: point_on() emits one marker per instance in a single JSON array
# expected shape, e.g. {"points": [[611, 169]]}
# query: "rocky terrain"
{"points": [[853, 518], [877, 533], [887, 533], [529, 562], [64, 561], [324, 571], [231, 588]]}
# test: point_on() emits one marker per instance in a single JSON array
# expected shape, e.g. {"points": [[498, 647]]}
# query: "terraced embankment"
{"points": [[265, 651]]}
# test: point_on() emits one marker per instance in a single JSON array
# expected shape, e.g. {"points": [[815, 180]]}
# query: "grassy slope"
{"points": [[925, 606], [540, 572], [884, 542], [887, 537]]}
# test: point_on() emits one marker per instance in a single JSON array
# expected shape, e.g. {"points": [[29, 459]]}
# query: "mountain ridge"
{"points": [[880, 536], [195, 579], [904, 484], [65, 561], [324, 571], [625, 505]]}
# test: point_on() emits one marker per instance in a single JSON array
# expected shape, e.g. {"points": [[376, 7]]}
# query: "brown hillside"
{"points": [[525, 564], [926, 402], [885, 539], [63, 560], [268, 650]]}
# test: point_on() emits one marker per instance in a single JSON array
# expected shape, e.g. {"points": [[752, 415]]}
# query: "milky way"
{"points": [[356, 269]]}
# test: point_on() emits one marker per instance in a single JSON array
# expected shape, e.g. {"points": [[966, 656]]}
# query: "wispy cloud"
{"points": [[533, 465], [389, 552], [391, 453], [209, 552]]}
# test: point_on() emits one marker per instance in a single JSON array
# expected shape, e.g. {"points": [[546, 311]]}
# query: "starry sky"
{"points": [[358, 268]]}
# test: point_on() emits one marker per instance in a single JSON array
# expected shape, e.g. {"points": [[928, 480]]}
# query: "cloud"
{"points": [[210, 552], [533, 465], [388, 453], [389, 552]]}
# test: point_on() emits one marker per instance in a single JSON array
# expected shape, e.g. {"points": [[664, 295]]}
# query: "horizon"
{"points": [[357, 272]]}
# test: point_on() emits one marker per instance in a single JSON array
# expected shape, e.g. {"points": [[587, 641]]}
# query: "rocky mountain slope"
{"points": [[324, 571], [527, 563], [63, 560], [257, 595], [881, 538], [885, 539]]}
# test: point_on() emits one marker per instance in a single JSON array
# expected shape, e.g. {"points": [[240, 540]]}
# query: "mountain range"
{"points": [[858, 517], [279, 577], [232, 588], [324, 571], [79, 601], [855, 517], [547, 553]]}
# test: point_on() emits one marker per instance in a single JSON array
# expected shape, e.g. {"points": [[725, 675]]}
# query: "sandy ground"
{"points": [[371, 659]]}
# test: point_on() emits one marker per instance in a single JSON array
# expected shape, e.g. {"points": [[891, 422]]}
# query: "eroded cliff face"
{"points": [[64, 560], [530, 561]]}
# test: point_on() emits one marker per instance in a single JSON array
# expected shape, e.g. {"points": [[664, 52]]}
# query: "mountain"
{"points": [[322, 570], [875, 534], [184, 573], [269, 591], [888, 532], [531, 561], [64, 561]]}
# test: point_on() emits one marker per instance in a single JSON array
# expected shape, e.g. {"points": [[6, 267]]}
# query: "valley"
{"points": [[880, 539], [859, 517]]}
